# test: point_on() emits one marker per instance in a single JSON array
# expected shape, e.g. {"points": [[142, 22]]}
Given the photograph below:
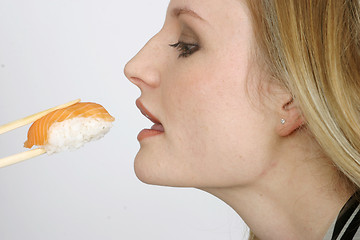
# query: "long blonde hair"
{"points": [[313, 48]]}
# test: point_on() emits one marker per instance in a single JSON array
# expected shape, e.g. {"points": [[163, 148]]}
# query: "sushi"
{"points": [[69, 128]]}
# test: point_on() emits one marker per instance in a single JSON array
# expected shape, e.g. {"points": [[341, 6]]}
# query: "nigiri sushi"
{"points": [[69, 128]]}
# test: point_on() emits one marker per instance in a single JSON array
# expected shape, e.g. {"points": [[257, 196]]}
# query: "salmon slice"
{"points": [[38, 132]]}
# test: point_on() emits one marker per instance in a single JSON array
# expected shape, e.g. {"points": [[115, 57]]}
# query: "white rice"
{"points": [[73, 133]]}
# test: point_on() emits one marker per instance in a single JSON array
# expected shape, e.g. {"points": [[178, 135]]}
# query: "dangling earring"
{"points": [[283, 121]]}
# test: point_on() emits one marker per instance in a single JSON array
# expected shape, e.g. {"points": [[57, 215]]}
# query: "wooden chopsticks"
{"points": [[29, 119], [19, 157], [22, 122]]}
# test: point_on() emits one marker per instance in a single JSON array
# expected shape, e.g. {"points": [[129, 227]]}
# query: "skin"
{"points": [[220, 135]]}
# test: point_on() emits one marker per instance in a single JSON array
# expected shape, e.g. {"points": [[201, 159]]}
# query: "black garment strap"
{"points": [[344, 215], [352, 228]]}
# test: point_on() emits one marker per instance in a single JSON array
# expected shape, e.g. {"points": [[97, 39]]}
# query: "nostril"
{"points": [[135, 80], [130, 73]]}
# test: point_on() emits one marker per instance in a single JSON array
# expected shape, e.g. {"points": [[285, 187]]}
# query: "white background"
{"points": [[54, 51]]}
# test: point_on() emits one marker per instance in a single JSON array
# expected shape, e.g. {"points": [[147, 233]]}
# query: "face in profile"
{"points": [[196, 86]]}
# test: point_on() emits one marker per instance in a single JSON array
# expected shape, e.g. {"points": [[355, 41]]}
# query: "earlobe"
{"points": [[291, 119]]}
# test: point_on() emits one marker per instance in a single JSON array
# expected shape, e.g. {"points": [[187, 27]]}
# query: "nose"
{"points": [[143, 69]]}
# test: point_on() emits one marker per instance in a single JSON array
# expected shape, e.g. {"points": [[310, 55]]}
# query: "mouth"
{"points": [[156, 129]]}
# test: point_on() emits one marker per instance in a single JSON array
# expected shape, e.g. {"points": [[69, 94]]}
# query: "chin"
{"points": [[142, 172], [149, 171]]}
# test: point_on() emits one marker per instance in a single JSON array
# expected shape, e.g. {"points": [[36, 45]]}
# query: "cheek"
{"points": [[210, 95], [212, 125]]}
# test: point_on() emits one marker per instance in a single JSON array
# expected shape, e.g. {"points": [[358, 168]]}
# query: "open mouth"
{"points": [[156, 129]]}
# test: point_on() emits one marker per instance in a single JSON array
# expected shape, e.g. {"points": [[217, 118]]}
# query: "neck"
{"points": [[301, 204]]}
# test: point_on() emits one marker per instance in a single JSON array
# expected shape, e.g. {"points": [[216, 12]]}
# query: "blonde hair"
{"points": [[313, 48]]}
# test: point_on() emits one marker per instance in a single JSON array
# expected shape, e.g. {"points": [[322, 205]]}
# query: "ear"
{"points": [[291, 119]]}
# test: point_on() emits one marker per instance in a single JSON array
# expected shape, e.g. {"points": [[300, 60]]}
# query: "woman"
{"points": [[257, 102]]}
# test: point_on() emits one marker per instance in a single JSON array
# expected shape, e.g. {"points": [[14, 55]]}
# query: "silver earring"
{"points": [[282, 121]]}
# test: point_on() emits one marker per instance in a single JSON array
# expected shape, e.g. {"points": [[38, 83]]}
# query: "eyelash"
{"points": [[185, 49]]}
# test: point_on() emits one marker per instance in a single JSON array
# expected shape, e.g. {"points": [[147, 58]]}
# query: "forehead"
{"points": [[213, 11]]}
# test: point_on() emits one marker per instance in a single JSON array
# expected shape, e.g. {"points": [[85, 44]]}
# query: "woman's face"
{"points": [[195, 79]]}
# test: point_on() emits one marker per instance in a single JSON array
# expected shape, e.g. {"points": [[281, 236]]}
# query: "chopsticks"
{"points": [[29, 119], [22, 122], [19, 157]]}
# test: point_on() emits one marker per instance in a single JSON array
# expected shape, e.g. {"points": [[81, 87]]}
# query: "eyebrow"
{"points": [[179, 11]]}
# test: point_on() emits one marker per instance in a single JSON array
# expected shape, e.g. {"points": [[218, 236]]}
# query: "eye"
{"points": [[185, 49]]}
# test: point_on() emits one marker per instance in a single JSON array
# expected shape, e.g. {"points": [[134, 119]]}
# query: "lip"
{"points": [[146, 112], [156, 129]]}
